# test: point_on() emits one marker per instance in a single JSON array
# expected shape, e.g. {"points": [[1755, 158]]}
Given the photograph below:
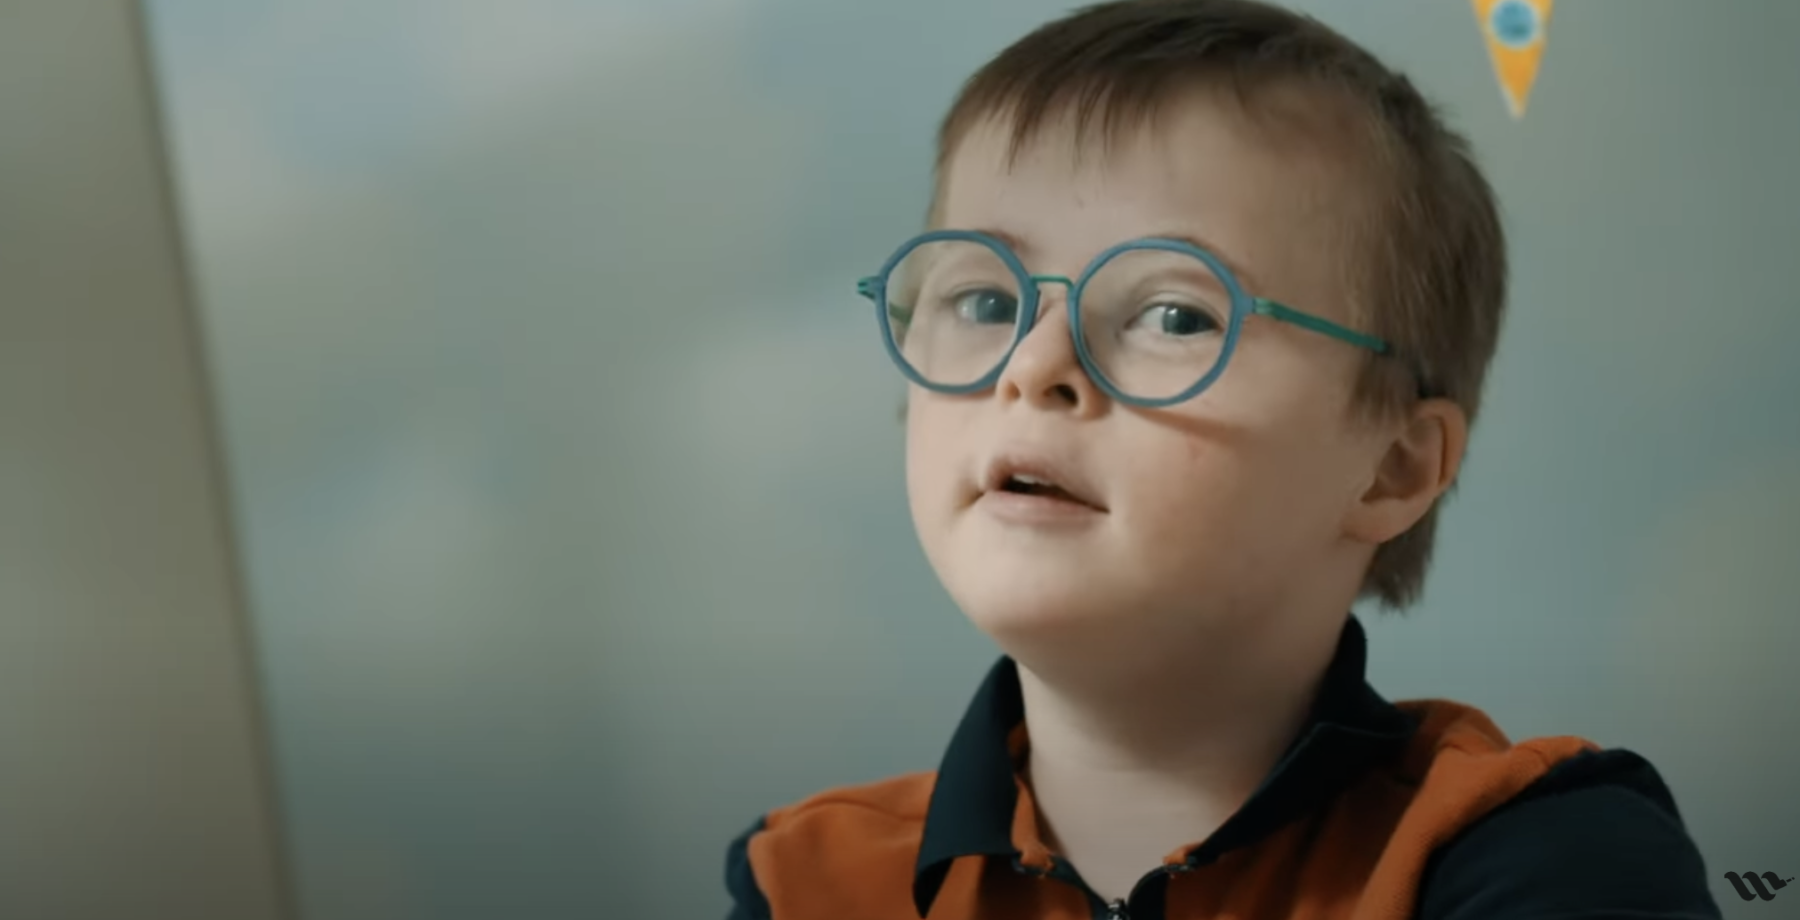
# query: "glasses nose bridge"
{"points": [[1040, 282]]}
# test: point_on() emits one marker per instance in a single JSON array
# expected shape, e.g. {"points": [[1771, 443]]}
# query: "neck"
{"points": [[1126, 768]]}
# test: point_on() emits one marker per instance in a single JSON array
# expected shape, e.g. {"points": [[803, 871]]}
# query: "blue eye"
{"points": [[1178, 320], [988, 307]]}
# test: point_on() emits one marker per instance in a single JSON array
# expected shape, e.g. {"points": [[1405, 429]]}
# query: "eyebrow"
{"points": [[1019, 245]]}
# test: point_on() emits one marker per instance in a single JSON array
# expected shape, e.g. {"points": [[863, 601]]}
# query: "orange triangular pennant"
{"points": [[1515, 31]]}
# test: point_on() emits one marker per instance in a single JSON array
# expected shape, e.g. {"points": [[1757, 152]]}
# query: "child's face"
{"points": [[1234, 501]]}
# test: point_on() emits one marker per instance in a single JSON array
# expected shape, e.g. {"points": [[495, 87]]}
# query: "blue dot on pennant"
{"points": [[1515, 23]]}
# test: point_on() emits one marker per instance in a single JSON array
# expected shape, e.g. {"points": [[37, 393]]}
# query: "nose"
{"points": [[1044, 371]]}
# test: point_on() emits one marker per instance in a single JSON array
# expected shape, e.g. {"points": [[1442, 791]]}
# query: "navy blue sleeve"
{"points": [[1597, 838], [747, 901]]}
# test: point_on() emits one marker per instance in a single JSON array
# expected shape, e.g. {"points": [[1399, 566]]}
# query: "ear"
{"points": [[1422, 455]]}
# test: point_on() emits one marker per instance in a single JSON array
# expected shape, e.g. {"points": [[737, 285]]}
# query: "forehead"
{"points": [[1252, 188]]}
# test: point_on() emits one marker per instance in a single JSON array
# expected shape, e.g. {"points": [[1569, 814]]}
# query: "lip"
{"points": [[1036, 511], [1080, 497]]}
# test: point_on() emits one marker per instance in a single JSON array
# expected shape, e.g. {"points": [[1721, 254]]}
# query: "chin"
{"points": [[1021, 609]]}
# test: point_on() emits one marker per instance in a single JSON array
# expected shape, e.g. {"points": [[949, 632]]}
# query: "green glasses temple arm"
{"points": [[868, 287], [1276, 311]]}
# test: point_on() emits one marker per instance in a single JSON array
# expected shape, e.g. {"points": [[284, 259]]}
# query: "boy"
{"points": [[1194, 345]]}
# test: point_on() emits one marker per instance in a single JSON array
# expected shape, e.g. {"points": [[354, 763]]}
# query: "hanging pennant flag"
{"points": [[1514, 30]]}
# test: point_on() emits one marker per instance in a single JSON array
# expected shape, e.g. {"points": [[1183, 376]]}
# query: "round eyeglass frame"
{"points": [[1243, 305]]}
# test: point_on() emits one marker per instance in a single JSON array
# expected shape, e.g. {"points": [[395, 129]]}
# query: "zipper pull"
{"points": [[1116, 911]]}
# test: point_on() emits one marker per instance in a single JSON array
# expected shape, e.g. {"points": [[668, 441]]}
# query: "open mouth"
{"points": [[1030, 485], [1032, 479], [1035, 488]]}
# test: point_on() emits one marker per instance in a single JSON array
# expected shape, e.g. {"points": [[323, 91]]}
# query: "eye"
{"points": [[988, 306], [1178, 320]]}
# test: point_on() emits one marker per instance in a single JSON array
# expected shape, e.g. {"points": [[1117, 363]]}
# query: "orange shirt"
{"points": [[1376, 812]]}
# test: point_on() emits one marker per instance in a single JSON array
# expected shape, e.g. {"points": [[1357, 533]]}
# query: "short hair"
{"points": [[1430, 266]]}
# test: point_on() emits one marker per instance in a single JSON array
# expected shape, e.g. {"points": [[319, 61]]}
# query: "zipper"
{"points": [[1116, 909], [1120, 909], [1061, 870]]}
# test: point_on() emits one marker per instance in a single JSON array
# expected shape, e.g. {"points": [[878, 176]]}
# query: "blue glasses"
{"points": [[1154, 320]]}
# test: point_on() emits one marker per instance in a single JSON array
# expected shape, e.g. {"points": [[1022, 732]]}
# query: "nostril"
{"points": [[1066, 393]]}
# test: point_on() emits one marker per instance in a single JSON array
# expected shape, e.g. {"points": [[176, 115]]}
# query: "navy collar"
{"points": [[973, 800]]}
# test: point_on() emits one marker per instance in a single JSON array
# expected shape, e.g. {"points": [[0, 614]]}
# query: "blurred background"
{"points": [[444, 472]]}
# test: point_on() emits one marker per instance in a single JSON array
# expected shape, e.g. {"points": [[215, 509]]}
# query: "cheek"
{"points": [[1288, 412], [932, 458], [1244, 490]]}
